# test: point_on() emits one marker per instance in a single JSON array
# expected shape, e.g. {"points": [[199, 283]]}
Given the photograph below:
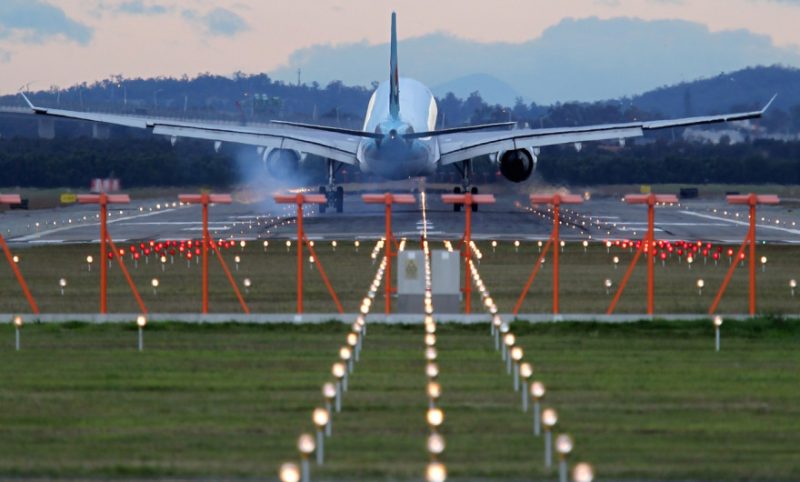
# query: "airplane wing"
{"points": [[337, 144], [458, 147]]}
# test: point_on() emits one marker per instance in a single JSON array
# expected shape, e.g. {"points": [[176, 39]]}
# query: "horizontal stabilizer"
{"points": [[338, 130]]}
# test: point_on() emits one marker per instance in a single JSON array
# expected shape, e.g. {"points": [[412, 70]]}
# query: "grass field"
{"points": [[645, 401], [504, 271]]}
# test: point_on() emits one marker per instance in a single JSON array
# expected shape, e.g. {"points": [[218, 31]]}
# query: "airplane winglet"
{"points": [[36, 110], [27, 100], [769, 103]]}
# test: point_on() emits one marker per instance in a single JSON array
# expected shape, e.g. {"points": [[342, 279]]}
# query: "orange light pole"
{"points": [[751, 200], [468, 200], [647, 246], [205, 199], [556, 201], [104, 200], [300, 200], [388, 200], [15, 199]]}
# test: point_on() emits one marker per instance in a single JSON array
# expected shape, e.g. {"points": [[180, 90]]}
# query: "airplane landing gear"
{"points": [[466, 180], [334, 194]]}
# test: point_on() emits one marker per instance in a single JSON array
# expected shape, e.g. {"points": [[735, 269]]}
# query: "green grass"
{"points": [[504, 272], [643, 401]]}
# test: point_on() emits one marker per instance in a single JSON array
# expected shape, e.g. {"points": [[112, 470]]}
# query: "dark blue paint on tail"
{"points": [[394, 93]]}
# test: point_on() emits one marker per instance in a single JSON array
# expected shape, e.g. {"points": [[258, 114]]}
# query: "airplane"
{"points": [[399, 139]]}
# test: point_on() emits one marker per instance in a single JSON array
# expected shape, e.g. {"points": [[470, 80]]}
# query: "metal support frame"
{"points": [[468, 200], [751, 200], [16, 199], [299, 200], [205, 199], [103, 200], [388, 200], [647, 246], [553, 241]]}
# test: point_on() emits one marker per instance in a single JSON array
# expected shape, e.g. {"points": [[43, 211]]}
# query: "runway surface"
{"points": [[511, 218]]}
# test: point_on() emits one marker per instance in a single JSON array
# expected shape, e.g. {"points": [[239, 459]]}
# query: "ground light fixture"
{"points": [[17, 328], [508, 342], [154, 283], [434, 417], [700, 285], [564, 445], [89, 261], [525, 372], [340, 372], [430, 354], [289, 473], [266, 245], [763, 264], [330, 393], [608, 283], [346, 355], [792, 285], [615, 261], [582, 472], [306, 446], [288, 245], [494, 246], [320, 417], [247, 284], [434, 392], [549, 420], [430, 340], [585, 245], [436, 445], [516, 357], [141, 322], [717, 326], [352, 342], [163, 260], [432, 370], [237, 259], [436, 472], [62, 283]]}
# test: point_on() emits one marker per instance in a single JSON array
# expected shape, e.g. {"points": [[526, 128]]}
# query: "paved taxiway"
{"points": [[511, 218]]}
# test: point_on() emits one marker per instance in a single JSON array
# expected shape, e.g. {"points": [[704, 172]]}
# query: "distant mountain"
{"points": [[748, 88], [586, 59], [492, 89]]}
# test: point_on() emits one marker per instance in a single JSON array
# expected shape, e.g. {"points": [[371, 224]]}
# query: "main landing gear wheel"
{"points": [[335, 198], [339, 201]]}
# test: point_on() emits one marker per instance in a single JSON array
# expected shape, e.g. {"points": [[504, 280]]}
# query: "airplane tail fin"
{"points": [[394, 94]]}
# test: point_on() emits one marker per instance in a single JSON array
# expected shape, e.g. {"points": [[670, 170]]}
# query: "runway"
{"points": [[510, 218]]}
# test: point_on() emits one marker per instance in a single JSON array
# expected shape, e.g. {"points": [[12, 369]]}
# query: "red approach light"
{"points": [[121, 253], [741, 256], [708, 245], [181, 249], [670, 248], [152, 243], [189, 255], [189, 243], [142, 245], [705, 253], [136, 256], [172, 252], [716, 256], [197, 251], [680, 252], [110, 255], [147, 251], [730, 252], [663, 256], [133, 249]]}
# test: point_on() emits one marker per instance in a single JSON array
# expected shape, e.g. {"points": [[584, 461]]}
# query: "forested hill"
{"points": [[743, 89]]}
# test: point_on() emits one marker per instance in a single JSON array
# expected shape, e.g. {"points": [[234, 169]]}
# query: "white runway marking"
{"points": [[32, 237]]}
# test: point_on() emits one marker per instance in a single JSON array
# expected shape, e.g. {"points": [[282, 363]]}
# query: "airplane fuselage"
{"points": [[392, 156]]}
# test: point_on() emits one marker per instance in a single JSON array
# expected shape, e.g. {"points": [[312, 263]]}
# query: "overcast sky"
{"points": [[63, 42]]}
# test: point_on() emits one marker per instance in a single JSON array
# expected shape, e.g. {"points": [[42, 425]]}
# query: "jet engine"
{"points": [[517, 165], [283, 163]]}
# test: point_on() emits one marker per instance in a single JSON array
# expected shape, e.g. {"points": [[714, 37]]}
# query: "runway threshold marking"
{"points": [[742, 223]]}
